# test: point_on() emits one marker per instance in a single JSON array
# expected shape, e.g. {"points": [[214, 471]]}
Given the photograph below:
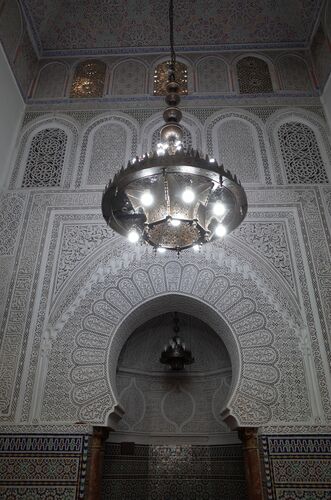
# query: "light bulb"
{"points": [[133, 236], [161, 148], [188, 195], [220, 230], [161, 250], [211, 160], [147, 199], [219, 208], [175, 222]]}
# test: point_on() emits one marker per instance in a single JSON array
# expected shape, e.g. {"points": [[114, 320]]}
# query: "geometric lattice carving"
{"points": [[89, 79], [108, 152], [301, 154], [212, 75], [294, 74], [253, 76], [161, 73], [51, 81], [270, 240], [11, 208], [237, 149], [46, 157], [79, 240], [129, 78], [255, 133]]}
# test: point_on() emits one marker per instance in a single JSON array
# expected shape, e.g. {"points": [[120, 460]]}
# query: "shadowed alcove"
{"points": [[164, 405], [171, 440]]}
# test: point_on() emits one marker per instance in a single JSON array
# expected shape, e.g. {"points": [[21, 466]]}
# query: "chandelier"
{"points": [[175, 353], [173, 198]]}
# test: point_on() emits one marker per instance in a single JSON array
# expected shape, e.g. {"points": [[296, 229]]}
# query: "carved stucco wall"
{"points": [[74, 291], [213, 73]]}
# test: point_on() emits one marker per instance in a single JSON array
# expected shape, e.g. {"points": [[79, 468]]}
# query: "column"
{"points": [[248, 436], [98, 441]]}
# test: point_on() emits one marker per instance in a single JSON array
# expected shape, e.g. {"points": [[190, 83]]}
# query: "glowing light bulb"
{"points": [[220, 230], [147, 199], [219, 208], [175, 222], [211, 160], [161, 148], [133, 236], [161, 250], [188, 195]]}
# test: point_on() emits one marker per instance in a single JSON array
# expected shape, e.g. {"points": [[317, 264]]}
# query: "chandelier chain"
{"points": [[172, 49]]}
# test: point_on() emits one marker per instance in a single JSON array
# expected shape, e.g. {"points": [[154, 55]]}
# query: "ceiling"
{"points": [[103, 25]]}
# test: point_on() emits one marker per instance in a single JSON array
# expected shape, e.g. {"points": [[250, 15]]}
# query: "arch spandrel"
{"points": [[145, 309], [165, 287], [225, 282]]}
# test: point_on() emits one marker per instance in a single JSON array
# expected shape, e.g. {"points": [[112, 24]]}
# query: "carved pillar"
{"points": [[248, 436], [98, 441]]}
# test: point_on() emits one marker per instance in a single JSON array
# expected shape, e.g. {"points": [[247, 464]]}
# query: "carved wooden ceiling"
{"points": [[74, 25]]}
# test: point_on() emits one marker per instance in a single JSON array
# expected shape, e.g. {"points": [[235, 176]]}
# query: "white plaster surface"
{"points": [[11, 112], [326, 100]]}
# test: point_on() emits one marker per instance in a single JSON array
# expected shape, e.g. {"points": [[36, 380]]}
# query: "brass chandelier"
{"points": [[173, 198], [175, 354]]}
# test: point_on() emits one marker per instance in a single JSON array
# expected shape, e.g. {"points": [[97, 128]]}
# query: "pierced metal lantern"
{"points": [[173, 198], [175, 353], [174, 201]]}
